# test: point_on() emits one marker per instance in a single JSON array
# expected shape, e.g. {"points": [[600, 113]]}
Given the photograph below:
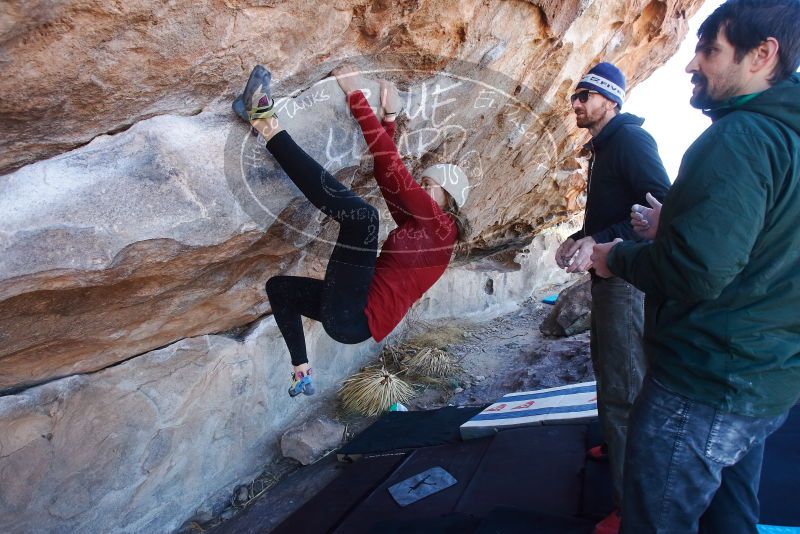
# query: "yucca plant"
{"points": [[432, 362], [373, 391]]}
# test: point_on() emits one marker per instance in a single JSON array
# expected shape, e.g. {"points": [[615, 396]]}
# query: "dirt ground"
{"points": [[499, 356], [509, 354]]}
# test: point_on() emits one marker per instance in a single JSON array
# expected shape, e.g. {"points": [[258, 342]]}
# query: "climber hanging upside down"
{"points": [[363, 294]]}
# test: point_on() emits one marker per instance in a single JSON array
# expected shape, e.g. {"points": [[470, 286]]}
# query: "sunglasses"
{"points": [[583, 96]]}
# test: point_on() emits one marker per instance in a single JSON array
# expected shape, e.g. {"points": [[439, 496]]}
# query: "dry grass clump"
{"points": [[423, 334], [373, 391], [431, 362]]}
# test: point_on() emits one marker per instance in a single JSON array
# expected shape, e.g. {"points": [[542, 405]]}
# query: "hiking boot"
{"points": [[599, 453], [255, 102], [609, 525], [301, 383]]}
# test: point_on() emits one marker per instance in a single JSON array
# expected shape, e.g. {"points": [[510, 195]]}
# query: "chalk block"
{"points": [[574, 403]]}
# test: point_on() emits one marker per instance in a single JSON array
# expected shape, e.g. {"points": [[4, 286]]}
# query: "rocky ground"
{"points": [[499, 356]]}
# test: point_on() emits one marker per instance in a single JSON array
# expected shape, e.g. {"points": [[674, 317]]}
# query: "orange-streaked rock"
{"points": [[136, 240]]}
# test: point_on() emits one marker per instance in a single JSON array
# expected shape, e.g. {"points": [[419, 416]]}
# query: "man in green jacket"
{"points": [[724, 270]]}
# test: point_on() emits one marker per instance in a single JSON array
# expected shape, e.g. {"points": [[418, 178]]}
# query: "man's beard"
{"points": [[587, 120], [726, 87], [701, 100]]}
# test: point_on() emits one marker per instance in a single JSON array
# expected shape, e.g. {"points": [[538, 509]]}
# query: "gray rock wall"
{"points": [[147, 444], [170, 229], [142, 446]]}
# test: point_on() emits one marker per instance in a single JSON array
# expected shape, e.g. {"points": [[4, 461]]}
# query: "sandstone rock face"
{"points": [[170, 229], [167, 230], [145, 445], [140, 446], [90, 67], [309, 441], [139, 220], [487, 287]]}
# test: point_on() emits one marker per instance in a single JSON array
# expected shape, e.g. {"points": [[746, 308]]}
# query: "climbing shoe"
{"points": [[301, 383], [609, 525], [255, 103], [598, 453]]}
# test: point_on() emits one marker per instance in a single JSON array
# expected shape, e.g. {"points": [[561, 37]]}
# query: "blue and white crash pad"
{"points": [[571, 403]]}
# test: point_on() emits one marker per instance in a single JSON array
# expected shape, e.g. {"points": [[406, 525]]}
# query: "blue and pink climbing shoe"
{"points": [[301, 383]]}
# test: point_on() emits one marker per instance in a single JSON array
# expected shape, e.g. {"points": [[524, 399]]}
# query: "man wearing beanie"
{"points": [[623, 168]]}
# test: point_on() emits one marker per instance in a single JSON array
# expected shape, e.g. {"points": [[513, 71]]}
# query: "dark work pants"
{"points": [[619, 363], [339, 300], [692, 468]]}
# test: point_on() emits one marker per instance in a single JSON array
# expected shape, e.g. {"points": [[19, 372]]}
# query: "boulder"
{"points": [[312, 439], [146, 58], [572, 311], [147, 444], [157, 217]]}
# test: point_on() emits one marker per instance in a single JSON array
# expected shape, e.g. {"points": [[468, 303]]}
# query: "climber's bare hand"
{"points": [[349, 79]]}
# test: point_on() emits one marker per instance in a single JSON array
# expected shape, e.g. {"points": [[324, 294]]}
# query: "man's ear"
{"points": [[764, 57]]}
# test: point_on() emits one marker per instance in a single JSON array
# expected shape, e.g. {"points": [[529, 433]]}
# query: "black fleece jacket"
{"points": [[623, 168]]}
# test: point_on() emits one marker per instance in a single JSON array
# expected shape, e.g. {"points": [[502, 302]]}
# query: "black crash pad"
{"points": [[459, 459], [411, 430], [324, 511], [780, 475], [514, 521], [536, 468], [449, 524]]}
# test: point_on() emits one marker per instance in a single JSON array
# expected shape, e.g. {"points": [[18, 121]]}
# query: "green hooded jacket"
{"points": [[723, 274]]}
